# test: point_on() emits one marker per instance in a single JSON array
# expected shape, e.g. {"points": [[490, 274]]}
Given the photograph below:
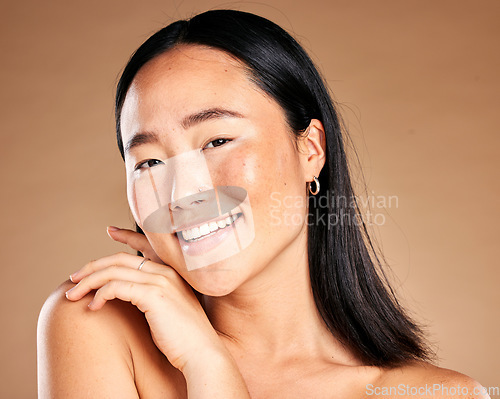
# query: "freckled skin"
{"points": [[261, 158], [258, 303]]}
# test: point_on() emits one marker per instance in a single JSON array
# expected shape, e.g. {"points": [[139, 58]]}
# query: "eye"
{"points": [[149, 163], [217, 143]]}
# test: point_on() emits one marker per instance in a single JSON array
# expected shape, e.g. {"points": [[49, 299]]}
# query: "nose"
{"points": [[193, 208], [189, 201], [190, 180]]}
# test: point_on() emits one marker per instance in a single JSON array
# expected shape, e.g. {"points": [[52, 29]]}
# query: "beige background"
{"points": [[419, 87]]}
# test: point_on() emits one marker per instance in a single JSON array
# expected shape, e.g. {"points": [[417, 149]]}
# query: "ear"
{"points": [[312, 147]]}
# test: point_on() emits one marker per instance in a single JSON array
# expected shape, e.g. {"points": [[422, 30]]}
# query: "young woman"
{"points": [[248, 285]]}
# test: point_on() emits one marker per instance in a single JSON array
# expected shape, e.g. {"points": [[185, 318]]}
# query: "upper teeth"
{"points": [[207, 228]]}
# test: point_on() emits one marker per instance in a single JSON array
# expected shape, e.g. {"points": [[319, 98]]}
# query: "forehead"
{"points": [[183, 81], [188, 59]]}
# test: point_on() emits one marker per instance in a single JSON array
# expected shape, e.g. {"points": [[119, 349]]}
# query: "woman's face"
{"points": [[194, 112]]}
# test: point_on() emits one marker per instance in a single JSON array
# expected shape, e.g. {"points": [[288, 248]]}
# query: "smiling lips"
{"points": [[200, 232]]}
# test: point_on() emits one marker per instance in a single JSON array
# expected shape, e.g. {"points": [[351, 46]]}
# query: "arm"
{"points": [[214, 375], [178, 324], [79, 355]]}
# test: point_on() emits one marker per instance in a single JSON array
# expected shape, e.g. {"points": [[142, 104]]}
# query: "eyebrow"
{"points": [[187, 122], [141, 138], [208, 114]]}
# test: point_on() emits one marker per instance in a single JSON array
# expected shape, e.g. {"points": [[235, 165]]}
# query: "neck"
{"points": [[274, 313]]}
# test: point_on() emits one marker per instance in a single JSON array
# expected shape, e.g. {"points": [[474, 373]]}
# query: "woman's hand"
{"points": [[178, 323], [134, 240]]}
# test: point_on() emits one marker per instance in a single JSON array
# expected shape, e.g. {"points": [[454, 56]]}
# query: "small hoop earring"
{"points": [[316, 191]]}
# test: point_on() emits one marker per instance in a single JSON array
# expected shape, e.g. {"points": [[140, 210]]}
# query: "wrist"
{"points": [[214, 374], [208, 358]]}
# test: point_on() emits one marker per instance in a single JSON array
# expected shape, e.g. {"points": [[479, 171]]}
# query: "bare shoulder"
{"points": [[64, 313], [95, 353], [73, 321], [423, 379]]}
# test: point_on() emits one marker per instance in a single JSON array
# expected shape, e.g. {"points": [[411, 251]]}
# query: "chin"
{"points": [[218, 279]]}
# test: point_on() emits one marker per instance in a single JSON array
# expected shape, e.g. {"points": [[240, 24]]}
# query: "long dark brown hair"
{"points": [[349, 286]]}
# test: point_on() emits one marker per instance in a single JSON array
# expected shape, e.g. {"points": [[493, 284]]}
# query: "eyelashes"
{"points": [[149, 162], [219, 142]]}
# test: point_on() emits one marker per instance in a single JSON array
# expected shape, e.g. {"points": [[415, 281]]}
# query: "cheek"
{"points": [[166, 246], [259, 165], [274, 182], [133, 203]]}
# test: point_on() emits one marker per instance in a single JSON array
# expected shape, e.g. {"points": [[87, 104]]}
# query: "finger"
{"points": [[125, 290], [134, 240], [100, 278], [119, 259]]}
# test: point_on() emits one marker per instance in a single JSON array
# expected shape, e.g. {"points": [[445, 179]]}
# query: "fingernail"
{"points": [[113, 228], [72, 276], [68, 292]]}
